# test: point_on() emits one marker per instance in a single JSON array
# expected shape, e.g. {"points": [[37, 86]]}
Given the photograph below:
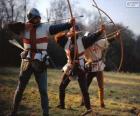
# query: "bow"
{"points": [[104, 31], [75, 45], [102, 23], [115, 27]]}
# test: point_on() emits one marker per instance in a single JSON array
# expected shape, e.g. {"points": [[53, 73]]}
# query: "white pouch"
{"points": [[38, 56]]}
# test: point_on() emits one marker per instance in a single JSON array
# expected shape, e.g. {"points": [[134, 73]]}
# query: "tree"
{"points": [[11, 11], [58, 10], [136, 60], [114, 55]]}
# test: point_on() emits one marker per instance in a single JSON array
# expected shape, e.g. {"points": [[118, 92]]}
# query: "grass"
{"points": [[122, 95]]}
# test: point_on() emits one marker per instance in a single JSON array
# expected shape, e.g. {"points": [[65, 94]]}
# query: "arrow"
{"points": [[63, 19]]}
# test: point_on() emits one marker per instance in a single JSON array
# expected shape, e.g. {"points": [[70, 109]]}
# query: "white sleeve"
{"points": [[45, 27], [103, 43], [67, 44], [80, 45]]}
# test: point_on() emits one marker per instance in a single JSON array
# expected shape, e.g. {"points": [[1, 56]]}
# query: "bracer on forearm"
{"points": [[54, 29], [61, 39]]}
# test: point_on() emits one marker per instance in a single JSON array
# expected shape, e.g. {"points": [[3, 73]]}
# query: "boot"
{"points": [[62, 99], [60, 106], [82, 101], [101, 97]]}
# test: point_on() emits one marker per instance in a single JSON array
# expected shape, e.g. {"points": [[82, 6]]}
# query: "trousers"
{"points": [[26, 71]]}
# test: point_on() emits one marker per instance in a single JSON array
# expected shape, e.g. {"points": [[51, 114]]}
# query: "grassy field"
{"points": [[122, 95]]}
